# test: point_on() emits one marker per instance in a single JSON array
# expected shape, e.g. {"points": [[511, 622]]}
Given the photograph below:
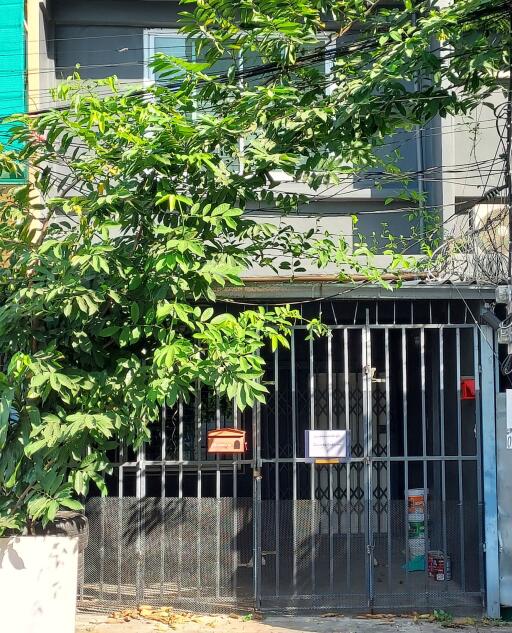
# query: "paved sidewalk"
{"points": [[93, 623]]}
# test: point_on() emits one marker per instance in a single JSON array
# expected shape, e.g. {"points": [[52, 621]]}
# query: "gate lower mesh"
{"points": [[197, 554]]}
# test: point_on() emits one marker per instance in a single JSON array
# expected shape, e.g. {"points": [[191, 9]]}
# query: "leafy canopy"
{"points": [[143, 205]]}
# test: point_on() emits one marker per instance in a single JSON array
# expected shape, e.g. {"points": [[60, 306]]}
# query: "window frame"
{"points": [[150, 34]]}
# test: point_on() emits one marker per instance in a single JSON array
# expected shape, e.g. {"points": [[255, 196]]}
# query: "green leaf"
{"points": [[163, 310], [135, 312], [207, 314], [39, 379], [5, 409], [72, 504], [108, 331], [223, 319]]}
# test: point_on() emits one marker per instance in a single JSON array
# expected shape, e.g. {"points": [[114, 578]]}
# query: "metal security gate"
{"points": [[341, 536], [268, 529]]}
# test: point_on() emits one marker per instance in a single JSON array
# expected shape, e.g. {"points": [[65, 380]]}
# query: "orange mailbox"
{"points": [[226, 441]]}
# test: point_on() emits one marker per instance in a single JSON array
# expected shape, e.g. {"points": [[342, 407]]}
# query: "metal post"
{"points": [[102, 545], [312, 468], [217, 505], [347, 427], [406, 448], [163, 456], [256, 483], [368, 446], [459, 463], [294, 465], [388, 454], [141, 493], [424, 447], [478, 422], [180, 495], [120, 523], [198, 420], [235, 507], [276, 481], [489, 472], [443, 448], [329, 467]]}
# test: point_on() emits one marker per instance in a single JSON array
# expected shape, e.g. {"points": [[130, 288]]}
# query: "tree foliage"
{"points": [[142, 208]]}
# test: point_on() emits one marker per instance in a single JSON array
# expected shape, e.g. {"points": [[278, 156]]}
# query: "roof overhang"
{"points": [[287, 290]]}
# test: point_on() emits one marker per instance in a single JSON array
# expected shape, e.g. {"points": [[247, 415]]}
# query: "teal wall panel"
{"points": [[12, 66]]}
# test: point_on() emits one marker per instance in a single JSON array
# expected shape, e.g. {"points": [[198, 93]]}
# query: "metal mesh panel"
{"points": [[312, 538], [401, 573], [189, 553]]}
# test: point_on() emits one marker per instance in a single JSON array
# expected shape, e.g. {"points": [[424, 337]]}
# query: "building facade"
{"points": [[12, 72], [410, 374]]}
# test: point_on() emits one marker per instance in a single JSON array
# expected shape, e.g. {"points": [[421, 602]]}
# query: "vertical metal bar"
{"points": [[492, 576], [347, 427], [235, 507], [368, 451], [163, 455], [478, 422], [294, 465], [312, 467], [424, 446], [141, 493], [388, 455], [276, 482], [102, 545], [120, 523], [199, 421], [459, 463], [180, 494], [443, 448], [329, 466], [256, 483], [406, 448], [217, 505]]}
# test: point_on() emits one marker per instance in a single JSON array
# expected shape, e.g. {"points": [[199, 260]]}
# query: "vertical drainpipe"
{"points": [[421, 186], [420, 160]]}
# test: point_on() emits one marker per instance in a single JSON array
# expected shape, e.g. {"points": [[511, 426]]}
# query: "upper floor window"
{"points": [[171, 42]]}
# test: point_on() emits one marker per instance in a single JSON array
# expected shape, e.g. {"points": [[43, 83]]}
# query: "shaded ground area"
{"points": [[132, 622]]}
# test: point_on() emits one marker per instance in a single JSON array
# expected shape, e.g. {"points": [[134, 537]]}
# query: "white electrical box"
{"points": [[503, 294], [505, 335]]}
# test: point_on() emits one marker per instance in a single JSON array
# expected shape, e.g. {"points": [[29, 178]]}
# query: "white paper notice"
{"points": [[327, 444]]}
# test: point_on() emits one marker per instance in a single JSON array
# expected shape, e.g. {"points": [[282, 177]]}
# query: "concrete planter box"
{"points": [[38, 577]]}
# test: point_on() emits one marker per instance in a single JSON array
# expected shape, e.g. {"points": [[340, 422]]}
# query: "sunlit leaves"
{"points": [[148, 203]]}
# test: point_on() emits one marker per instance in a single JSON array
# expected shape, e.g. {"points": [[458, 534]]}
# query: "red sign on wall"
{"points": [[467, 388]]}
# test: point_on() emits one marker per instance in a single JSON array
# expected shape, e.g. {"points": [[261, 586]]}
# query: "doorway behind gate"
{"points": [[270, 530]]}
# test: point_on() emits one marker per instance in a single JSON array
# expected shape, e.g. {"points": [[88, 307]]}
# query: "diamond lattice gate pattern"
{"points": [[395, 526]]}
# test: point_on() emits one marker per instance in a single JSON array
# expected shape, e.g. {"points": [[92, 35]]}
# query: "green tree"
{"points": [[108, 301]]}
